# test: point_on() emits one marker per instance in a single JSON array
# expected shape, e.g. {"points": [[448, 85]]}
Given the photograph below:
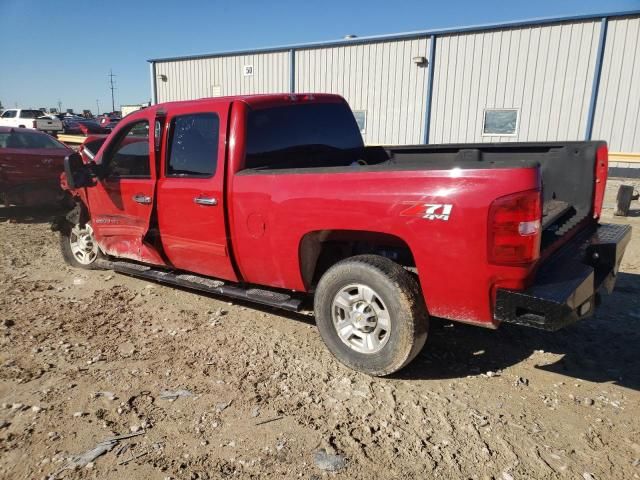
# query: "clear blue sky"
{"points": [[63, 50]]}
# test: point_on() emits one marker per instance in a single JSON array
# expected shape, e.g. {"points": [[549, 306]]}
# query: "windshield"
{"points": [[302, 135], [28, 140]]}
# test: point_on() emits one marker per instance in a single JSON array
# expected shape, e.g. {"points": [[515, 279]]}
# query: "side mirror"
{"points": [[78, 173]]}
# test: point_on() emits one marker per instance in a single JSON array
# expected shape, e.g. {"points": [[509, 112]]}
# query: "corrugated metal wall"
{"points": [[617, 117], [546, 72], [379, 78], [206, 77]]}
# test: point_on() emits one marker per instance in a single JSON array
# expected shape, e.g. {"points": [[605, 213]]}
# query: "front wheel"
{"points": [[370, 314], [78, 246]]}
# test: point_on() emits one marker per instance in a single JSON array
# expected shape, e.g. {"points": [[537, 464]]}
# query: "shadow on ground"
{"points": [[600, 349], [603, 348], [29, 214]]}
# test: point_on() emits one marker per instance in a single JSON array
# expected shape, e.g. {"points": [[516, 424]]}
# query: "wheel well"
{"points": [[78, 214], [322, 249]]}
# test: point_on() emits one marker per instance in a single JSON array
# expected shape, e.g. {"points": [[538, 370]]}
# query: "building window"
{"points": [[500, 122], [361, 119]]}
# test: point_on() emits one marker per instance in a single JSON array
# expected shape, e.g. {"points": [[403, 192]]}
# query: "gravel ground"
{"points": [[253, 393]]}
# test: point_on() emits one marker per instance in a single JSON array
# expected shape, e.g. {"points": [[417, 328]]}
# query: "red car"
{"points": [[275, 199], [30, 166]]}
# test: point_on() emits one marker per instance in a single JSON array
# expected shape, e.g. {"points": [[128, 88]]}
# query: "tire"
{"points": [[382, 328], [81, 235]]}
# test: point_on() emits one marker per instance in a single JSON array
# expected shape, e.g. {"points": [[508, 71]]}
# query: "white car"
{"points": [[34, 119]]}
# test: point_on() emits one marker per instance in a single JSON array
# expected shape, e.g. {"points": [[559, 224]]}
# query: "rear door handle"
{"points": [[207, 201], [143, 199]]}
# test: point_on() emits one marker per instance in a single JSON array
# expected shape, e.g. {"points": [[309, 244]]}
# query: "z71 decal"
{"points": [[430, 211]]}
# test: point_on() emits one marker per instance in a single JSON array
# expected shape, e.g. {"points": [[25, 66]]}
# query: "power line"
{"points": [[112, 87]]}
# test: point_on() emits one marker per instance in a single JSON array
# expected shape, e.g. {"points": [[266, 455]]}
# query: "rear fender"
{"points": [[319, 250]]}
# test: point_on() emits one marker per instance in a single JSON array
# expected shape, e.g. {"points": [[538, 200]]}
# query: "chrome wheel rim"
{"points": [[361, 319], [83, 246]]}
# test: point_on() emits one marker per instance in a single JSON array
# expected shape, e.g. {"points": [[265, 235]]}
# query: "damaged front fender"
{"points": [[73, 217]]}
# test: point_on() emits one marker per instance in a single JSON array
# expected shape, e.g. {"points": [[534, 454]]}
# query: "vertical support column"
{"points": [[154, 90], [430, 66], [596, 78], [292, 71]]}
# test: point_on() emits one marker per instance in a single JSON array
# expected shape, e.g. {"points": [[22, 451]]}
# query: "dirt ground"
{"points": [[86, 355]]}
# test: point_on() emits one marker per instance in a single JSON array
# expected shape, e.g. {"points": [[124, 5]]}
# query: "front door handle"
{"points": [[143, 199], [207, 201]]}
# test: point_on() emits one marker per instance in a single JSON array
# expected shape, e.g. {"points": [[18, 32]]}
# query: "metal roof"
{"points": [[404, 36]]}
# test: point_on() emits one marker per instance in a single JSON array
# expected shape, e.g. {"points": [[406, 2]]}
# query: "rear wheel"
{"points": [[370, 314], [78, 246]]}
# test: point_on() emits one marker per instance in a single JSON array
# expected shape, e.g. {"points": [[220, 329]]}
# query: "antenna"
{"points": [[112, 87]]}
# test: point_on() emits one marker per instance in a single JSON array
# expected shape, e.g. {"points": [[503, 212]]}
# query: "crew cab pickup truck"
{"points": [[34, 119], [274, 199]]}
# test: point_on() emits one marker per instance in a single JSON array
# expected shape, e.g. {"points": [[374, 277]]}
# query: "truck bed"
{"points": [[567, 168]]}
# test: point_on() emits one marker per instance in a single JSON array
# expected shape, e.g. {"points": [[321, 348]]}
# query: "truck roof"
{"points": [[263, 100]]}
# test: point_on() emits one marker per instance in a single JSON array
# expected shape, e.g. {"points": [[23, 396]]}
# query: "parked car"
{"points": [[82, 126], [33, 119], [108, 121], [275, 199], [31, 163]]}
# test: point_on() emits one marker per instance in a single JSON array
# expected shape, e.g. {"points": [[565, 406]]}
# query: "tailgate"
{"points": [[48, 124], [573, 180]]}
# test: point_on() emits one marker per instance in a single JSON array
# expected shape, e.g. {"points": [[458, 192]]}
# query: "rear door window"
{"points": [[30, 114], [193, 145]]}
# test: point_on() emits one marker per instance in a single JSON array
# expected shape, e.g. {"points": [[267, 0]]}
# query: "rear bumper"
{"points": [[567, 285]]}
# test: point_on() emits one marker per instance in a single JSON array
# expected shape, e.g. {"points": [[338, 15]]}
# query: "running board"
{"points": [[205, 284]]}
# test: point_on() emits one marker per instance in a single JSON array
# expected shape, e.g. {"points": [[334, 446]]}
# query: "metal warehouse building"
{"points": [[538, 80]]}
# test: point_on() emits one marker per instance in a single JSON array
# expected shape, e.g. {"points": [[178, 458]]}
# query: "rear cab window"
{"points": [[31, 114], [302, 135]]}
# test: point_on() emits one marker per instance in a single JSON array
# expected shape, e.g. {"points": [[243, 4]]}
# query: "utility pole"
{"points": [[112, 87], [98, 105]]}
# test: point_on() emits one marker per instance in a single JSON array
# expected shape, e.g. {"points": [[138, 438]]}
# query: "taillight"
{"points": [[514, 228], [35, 124], [601, 173]]}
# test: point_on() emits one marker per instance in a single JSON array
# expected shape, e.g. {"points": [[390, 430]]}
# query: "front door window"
{"points": [[129, 156]]}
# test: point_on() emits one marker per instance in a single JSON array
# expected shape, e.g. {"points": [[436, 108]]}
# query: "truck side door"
{"points": [[121, 203], [190, 195]]}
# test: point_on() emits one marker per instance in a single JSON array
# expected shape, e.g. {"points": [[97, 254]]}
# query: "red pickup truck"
{"points": [[275, 199]]}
